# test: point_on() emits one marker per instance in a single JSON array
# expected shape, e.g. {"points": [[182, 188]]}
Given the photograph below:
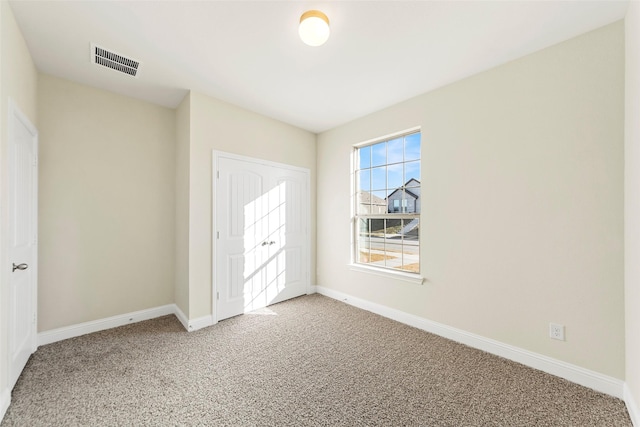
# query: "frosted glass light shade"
{"points": [[314, 28]]}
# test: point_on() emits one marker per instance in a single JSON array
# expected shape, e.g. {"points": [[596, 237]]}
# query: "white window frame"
{"points": [[403, 275]]}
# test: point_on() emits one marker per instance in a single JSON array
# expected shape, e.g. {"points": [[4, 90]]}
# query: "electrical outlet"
{"points": [[556, 331]]}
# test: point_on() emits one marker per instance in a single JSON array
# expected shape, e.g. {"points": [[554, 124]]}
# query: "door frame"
{"points": [[16, 115], [216, 155]]}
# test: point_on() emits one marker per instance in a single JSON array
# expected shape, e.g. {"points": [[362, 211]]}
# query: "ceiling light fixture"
{"points": [[314, 28]]}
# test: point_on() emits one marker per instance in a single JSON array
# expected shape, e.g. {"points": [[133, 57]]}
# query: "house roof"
{"points": [[368, 198], [409, 192]]}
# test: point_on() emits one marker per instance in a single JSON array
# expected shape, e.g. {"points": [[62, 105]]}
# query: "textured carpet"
{"points": [[311, 361]]}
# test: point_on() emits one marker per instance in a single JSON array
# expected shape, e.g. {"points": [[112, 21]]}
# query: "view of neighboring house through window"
{"points": [[387, 178]]}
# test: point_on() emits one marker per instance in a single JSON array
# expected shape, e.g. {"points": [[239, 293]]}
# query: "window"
{"points": [[387, 213]]}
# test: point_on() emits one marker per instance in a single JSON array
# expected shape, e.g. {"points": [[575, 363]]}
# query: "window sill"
{"points": [[416, 279]]}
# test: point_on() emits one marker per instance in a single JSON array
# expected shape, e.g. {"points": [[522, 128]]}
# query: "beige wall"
{"points": [[216, 125], [522, 206], [183, 144], [18, 81], [632, 202], [107, 204]]}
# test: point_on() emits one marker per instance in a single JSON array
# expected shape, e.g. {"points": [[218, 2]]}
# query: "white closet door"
{"points": [[262, 241]]}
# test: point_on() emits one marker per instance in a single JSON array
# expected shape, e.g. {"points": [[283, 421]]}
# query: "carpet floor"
{"points": [[310, 361]]}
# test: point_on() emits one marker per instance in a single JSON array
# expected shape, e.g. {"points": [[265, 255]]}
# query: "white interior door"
{"points": [[22, 249], [262, 240]]}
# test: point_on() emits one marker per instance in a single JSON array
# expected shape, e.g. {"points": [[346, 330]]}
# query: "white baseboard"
{"points": [[182, 317], [576, 374], [5, 400], [632, 407], [72, 331], [599, 382], [201, 322], [195, 324]]}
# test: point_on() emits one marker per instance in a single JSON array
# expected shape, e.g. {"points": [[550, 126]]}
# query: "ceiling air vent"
{"points": [[109, 59]]}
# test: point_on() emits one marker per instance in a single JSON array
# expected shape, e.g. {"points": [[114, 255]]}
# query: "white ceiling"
{"points": [[248, 52]]}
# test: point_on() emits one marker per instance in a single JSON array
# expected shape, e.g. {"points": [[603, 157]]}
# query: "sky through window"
{"points": [[388, 165]]}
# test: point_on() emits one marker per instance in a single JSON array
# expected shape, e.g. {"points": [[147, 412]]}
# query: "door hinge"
{"points": [[217, 234], [218, 174], [218, 296]]}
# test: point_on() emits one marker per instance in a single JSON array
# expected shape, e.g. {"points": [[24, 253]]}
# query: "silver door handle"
{"points": [[264, 243], [272, 243], [22, 266]]}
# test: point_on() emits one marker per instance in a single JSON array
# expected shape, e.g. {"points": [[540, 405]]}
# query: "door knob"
{"points": [[22, 266]]}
